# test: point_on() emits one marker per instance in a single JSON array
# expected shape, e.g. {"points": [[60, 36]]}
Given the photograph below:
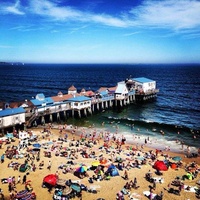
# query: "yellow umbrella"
{"points": [[95, 163]]}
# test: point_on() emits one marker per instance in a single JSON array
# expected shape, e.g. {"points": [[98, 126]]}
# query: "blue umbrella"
{"points": [[37, 145], [76, 187], [177, 158]]}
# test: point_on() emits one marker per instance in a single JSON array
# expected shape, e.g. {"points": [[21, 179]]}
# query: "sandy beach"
{"points": [[73, 147]]}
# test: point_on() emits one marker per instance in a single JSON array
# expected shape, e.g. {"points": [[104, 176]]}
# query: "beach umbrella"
{"points": [[177, 158], [50, 179], [140, 158], [95, 163], [67, 190], [103, 161], [37, 145], [81, 169], [76, 187], [160, 165], [61, 182]]}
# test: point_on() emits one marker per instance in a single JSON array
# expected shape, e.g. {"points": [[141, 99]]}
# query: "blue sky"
{"points": [[100, 31]]}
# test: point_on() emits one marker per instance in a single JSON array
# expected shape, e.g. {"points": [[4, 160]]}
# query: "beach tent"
{"points": [[112, 170], [9, 135], [160, 165], [50, 179]]}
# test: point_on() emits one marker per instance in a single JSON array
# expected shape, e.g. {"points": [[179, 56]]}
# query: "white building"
{"points": [[80, 102], [144, 85], [121, 91], [11, 117]]}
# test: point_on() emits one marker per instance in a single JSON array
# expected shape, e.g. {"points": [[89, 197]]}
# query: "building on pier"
{"points": [[11, 117], [79, 104], [145, 89]]}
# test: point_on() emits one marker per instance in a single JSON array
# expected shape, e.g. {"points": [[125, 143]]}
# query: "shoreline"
{"points": [[136, 139]]}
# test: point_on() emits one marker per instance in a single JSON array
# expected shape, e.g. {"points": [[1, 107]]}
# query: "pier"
{"points": [[41, 109]]}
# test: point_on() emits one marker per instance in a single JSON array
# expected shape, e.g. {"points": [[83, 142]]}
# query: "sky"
{"points": [[100, 31]]}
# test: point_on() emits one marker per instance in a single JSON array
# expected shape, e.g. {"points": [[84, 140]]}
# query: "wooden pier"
{"points": [[43, 109]]}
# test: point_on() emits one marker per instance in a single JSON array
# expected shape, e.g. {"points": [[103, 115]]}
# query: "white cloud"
{"points": [[108, 20], [51, 10], [171, 14], [14, 9], [130, 34], [175, 14]]}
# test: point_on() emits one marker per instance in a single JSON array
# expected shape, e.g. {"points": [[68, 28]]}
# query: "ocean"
{"points": [[176, 111]]}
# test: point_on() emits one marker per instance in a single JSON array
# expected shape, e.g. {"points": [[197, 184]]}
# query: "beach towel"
{"points": [[190, 188], [147, 193], [134, 196], [158, 179], [124, 191]]}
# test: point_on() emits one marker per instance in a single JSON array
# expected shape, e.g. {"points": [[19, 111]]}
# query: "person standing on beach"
{"points": [[154, 184], [24, 179], [19, 179], [135, 183], [49, 165], [2, 158]]}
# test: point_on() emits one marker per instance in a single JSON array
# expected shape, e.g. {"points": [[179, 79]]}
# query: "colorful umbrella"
{"points": [[81, 169]]}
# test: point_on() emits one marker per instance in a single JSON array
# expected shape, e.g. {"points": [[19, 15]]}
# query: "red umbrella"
{"points": [[160, 165], [50, 179]]}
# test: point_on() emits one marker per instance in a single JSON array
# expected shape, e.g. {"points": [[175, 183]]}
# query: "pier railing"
{"points": [[147, 92]]}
